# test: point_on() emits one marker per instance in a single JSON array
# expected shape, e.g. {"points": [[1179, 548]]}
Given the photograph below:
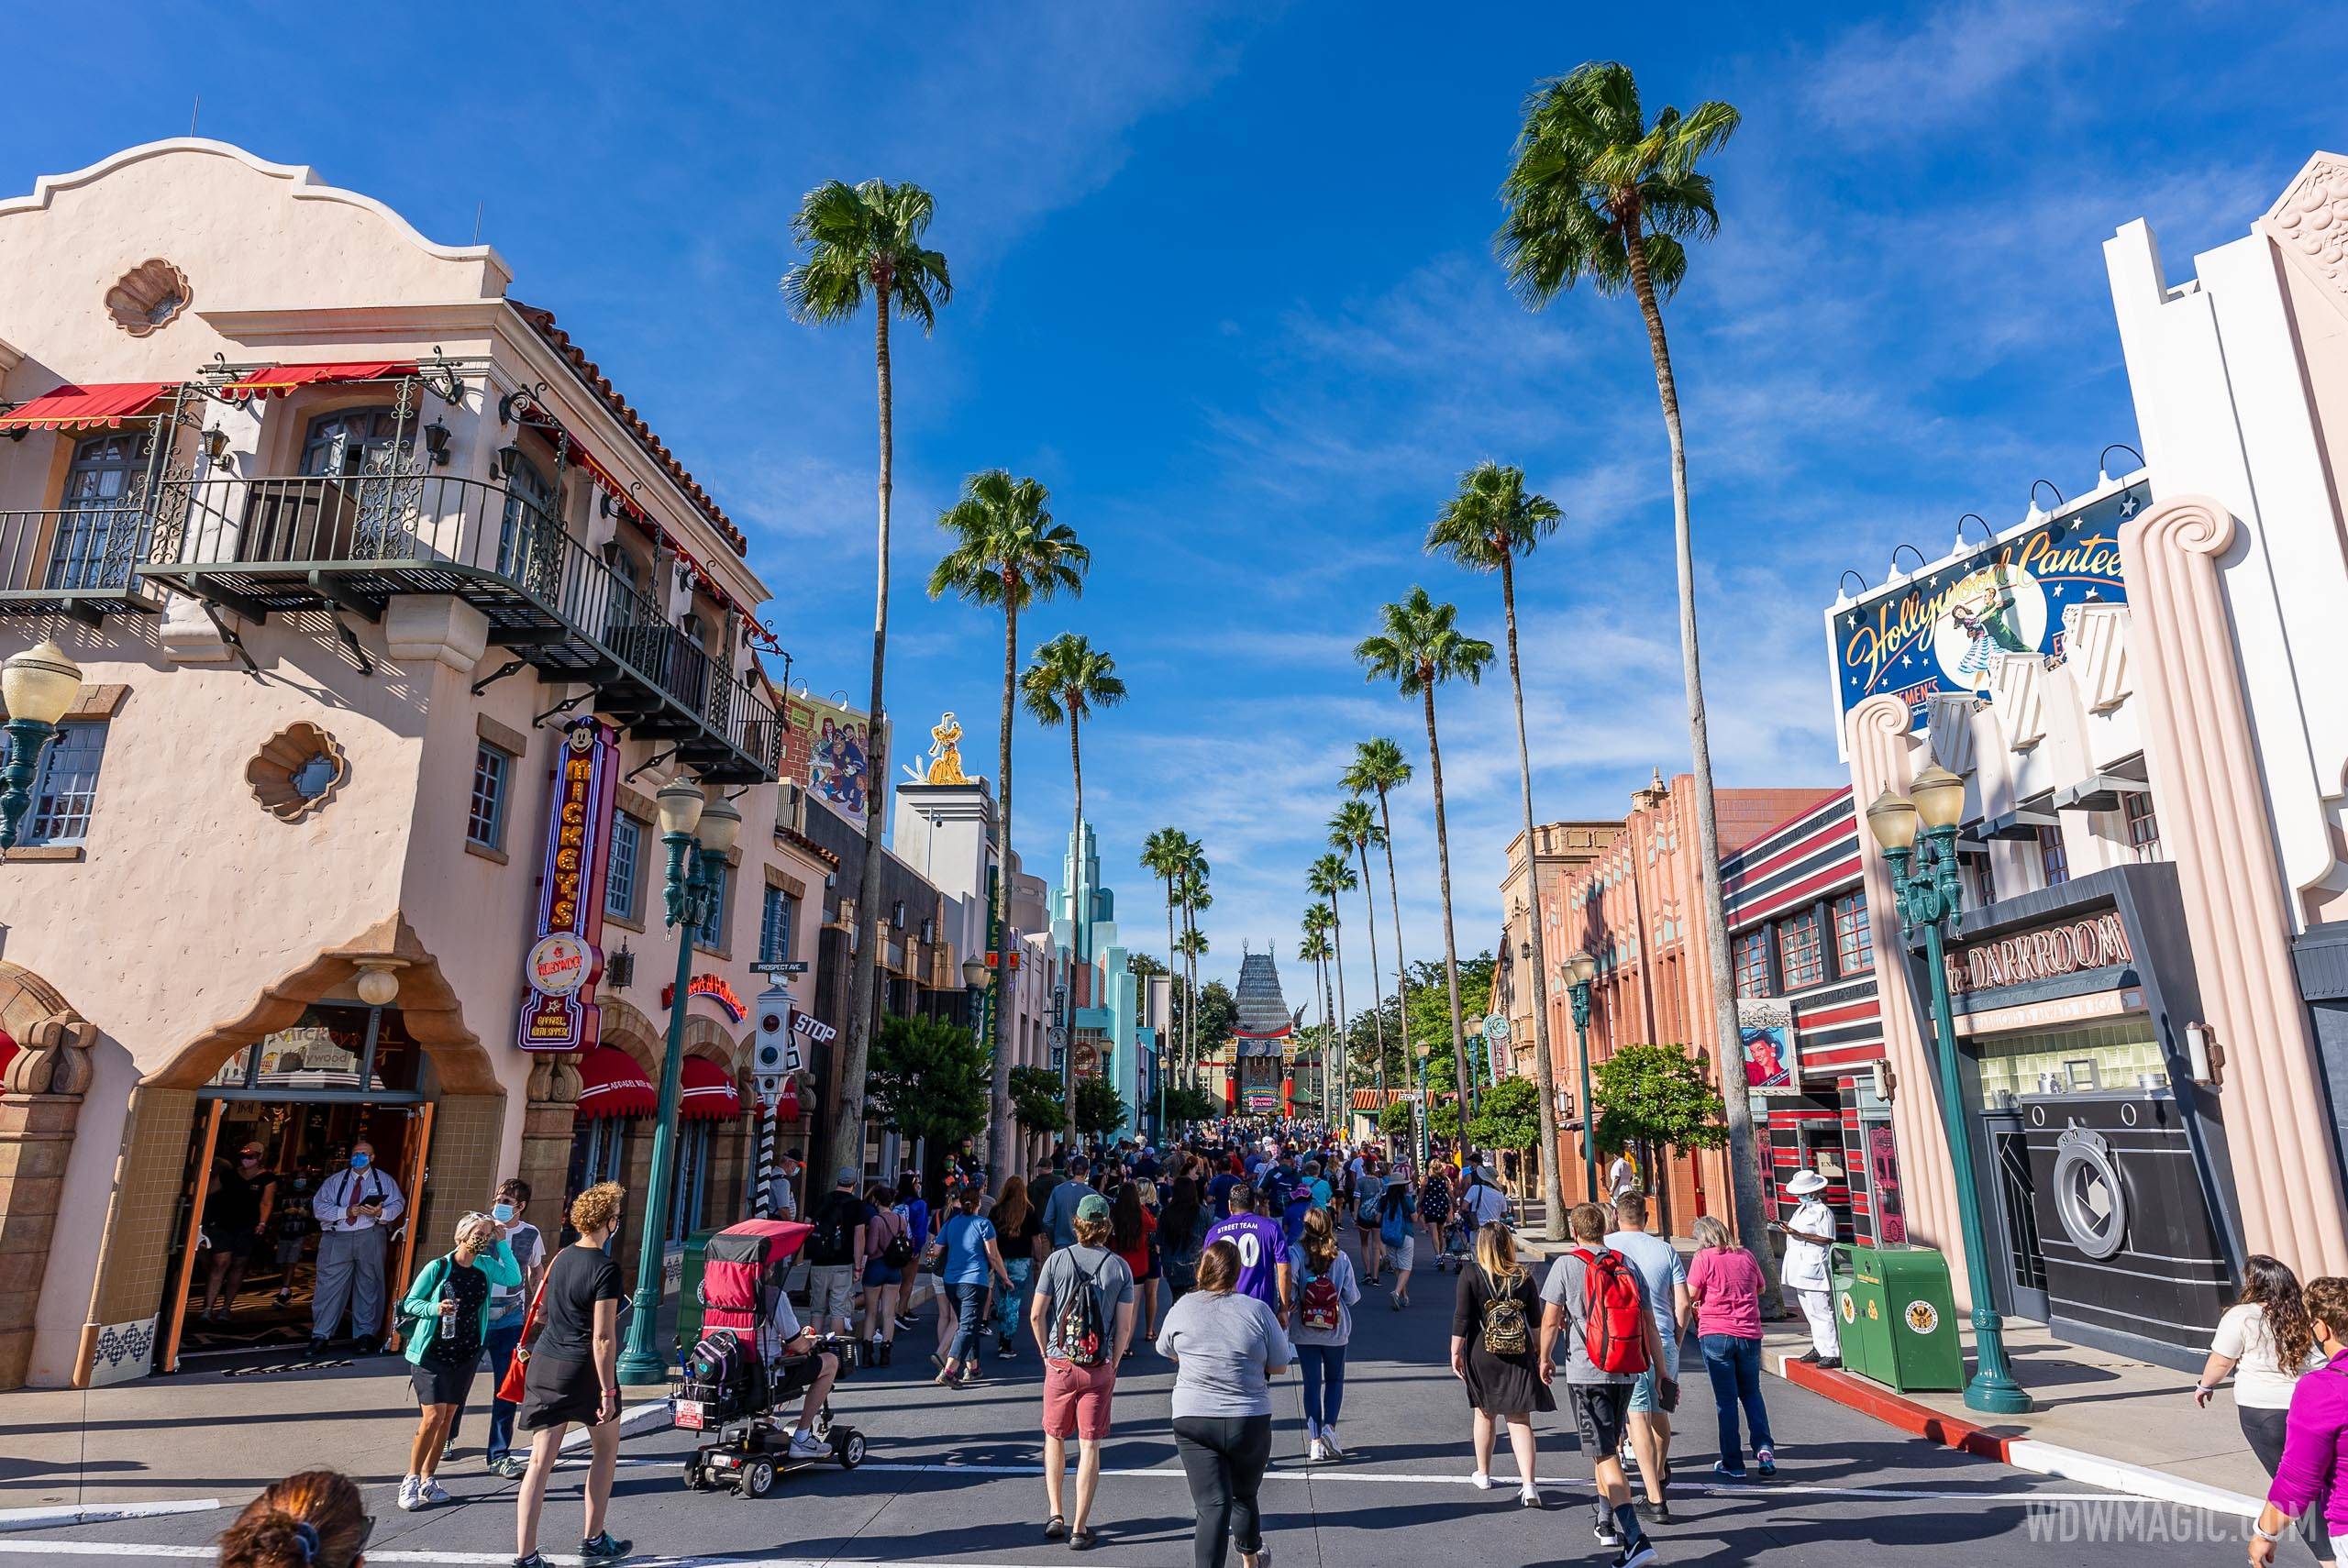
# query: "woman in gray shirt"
{"points": [[1226, 1349]]}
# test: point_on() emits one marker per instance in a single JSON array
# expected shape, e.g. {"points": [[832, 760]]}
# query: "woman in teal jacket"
{"points": [[447, 1313]]}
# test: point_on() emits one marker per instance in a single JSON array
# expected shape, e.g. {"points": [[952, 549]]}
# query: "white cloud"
{"points": [[1884, 82]]}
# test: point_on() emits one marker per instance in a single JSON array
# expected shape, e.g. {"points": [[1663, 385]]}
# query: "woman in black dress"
{"points": [[574, 1376], [1495, 1351]]}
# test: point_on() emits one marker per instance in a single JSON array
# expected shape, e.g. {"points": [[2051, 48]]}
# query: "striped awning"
{"points": [[101, 406], [279, 380]]}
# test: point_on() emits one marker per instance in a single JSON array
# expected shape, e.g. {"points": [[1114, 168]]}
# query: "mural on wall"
{"points": [[1772, 1057], [829, 753], [1943, 629]]}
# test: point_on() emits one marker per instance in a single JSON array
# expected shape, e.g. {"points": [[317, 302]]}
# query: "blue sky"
{"points": [[1223, 283]]}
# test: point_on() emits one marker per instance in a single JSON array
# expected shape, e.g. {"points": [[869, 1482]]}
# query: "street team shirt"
{"points": [[1262, 1244]]}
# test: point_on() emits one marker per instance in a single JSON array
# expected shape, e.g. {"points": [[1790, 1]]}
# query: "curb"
{"points": [[2021, 1452], [47, 1516], [661, 1411]]}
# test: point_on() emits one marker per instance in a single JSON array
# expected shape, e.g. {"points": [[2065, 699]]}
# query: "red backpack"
{"points": [[1613, 1326], [1319, 1306]]}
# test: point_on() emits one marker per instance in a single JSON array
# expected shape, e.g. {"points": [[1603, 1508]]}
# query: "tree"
{"points": [[864, 243], [929, 1080], [1007, 553], [1069, 678], [1316, 950], [1168, 855], [1596, 192], [1653, 1098], [1510, 1118], [1485, 527], [1099, 1112], [1354, 827], [1420, 649], [1378, 768], [1144, 964], [1189, 1103], [1328, 877], [1035, 1101], [1394, 1122]]}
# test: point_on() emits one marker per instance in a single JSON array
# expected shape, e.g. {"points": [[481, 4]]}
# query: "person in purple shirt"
{"points": [[2315, 1441], [1262, 1251]]}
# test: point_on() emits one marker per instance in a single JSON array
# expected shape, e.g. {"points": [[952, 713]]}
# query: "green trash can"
{"points": [[688, 1286], [1898, 1317]]}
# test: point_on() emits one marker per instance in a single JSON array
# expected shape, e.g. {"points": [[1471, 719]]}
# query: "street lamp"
{"points": [[1924, 879], [700, 833], [39, 687], [1579, 970]]}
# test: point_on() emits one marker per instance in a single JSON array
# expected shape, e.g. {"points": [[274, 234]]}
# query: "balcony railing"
{"points": [[74, 558]]}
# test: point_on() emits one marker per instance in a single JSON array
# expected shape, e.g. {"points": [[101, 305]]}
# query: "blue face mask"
{"points": [[359, 1161], [502, 1212]]}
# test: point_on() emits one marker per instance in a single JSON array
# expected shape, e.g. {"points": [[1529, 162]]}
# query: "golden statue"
{"points": [[946, 753]]}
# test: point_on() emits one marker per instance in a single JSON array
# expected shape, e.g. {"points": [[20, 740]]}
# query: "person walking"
{"points": [[448, 1307], [835, 1256], [1493, 1327], [1082, 1318], [1322, 1319], [236, 1217], [890, 1249], [573, 1378], [2267, 1342], [2308, 1479], [1664, 1279], [315, 1518], [508, 1305], [1368, 1195], [355, 1208], [970, 1259], [1226, 1347], [1018, 1232], [1181, 1233], [1622, 1176], [1397, 1230], [1809, 1235], [1132, 1231], [1593, 1296], [1436, 1204], [1724, 1288], [1060, 1213], [1262, 1246]]}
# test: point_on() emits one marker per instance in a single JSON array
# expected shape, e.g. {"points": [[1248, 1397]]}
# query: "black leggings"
{"points": [[1224, 1458], [2265, 1430]]}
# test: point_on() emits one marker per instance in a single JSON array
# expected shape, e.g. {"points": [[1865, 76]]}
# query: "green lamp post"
{"points": [[700, 833], [1580, 970], [38, 686], [1923, 878]]}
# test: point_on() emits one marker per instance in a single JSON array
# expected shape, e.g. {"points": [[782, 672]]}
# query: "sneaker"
{"points": [[1767, 1462], [410, 1493], [449, 1449], [1807, 1356], [1317, 1451], [317, 1349], [1639, 1553], [1529, 1495], [808, 1445], [513, 1467], [1329, 1441], [432, 1492], [1829, 1364], [1724, 1471], [605, 1548], [906, 1322], [282, 1298], [1480, 1481], [532, 1560], [1657, 1512], [1606, 1531], [1006, 1353]]}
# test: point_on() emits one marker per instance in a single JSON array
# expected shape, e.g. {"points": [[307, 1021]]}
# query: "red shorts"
{"points": [[1076, 1400]]}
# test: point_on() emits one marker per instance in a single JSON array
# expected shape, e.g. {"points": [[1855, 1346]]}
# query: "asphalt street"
{"points": [[952, 1478]]}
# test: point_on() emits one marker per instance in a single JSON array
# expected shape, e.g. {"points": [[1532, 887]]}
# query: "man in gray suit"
{"points": [[356, 1209]]}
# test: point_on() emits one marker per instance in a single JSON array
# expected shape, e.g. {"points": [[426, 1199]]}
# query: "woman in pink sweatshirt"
{"points": [[1724, 1283], [2315, 1439]]}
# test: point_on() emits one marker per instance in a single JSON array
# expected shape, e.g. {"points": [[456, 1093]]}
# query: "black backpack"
{"points": [[830, 1245], [1078, 1333], [899, 1250]]}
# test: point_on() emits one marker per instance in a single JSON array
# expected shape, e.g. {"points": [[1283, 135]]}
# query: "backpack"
{"points": [[830, 1243], [1395, 1229], [1317, 1305], [898, 1250], [1506, 1333], [1614, 1327], [1078, 1334], [1365, 1205]]}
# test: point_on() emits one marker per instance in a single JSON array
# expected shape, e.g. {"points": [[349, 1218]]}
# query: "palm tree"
{"points": [[1596, 192], [1326, 877], [864, 242], [1485, 527], [1162, 855], [1008, 552], [1318, 917], [1069, 678], [1191, 886], [1419, 650], [1380, 767], [1194, 947], [1355, 828], [1316, 950]]}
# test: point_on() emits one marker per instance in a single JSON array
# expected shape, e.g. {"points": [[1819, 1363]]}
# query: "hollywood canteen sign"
{"points": [[2096, 942], [1943, 630], [559, 1012]]}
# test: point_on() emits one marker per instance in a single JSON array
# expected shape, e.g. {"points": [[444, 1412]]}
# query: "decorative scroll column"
{"points": [[2202, 755], [547, 1123], [41, 1100], [1883, 756]]}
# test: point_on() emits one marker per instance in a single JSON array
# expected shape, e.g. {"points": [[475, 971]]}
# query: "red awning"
{"points": [[708, 1094], [7, 1054], [612, 1084], [277, 380], [102, 407]]}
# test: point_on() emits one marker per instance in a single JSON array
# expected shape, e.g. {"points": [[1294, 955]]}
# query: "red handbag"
{"points": [[517, 1371]]}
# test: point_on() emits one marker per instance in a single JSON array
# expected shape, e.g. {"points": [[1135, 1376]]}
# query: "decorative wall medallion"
{"points": [[297, 772], [148, 297]]}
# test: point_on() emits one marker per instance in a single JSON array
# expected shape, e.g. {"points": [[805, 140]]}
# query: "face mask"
{"points": [[502, 1212], [359, 1161], [301, 1184]]}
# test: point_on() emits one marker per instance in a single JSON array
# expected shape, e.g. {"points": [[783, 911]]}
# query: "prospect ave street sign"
{"points": [[780, 966]]}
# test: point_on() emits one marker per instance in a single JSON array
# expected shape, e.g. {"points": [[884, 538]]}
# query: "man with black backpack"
{"points": [[1082, 1318], [835, 1256], [1594, 1299]]}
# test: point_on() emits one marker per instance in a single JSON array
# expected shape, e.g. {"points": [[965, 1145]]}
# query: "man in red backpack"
{"points": [[1595, 1300]]}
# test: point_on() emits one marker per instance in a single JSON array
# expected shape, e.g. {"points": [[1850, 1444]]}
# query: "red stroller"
{"points": [[725, 1383]]}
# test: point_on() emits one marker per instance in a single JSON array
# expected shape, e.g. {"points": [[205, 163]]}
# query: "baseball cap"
{"points": [[1093, 1206], [846, 1176]]}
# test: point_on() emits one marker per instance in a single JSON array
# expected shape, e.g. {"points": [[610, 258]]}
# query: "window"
{"points": [[711, 934], [620, 879], [1800, 956], [104, 528], [353, 442], [688, 1197], [485, 822], [2144, 827], [776, 919], [1854, 940], [2052, 859], [527, 529], [1981, 882], [1752, 965], [64, 786]]}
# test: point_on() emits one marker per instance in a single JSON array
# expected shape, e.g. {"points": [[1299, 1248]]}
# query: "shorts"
{"points": [[289, 1250], [1400, 1255], [443, 1385], [877, 1274], [831, 1290], [1646, 1394], [796, 1376], [1598, 1416], [1076, 1400]]}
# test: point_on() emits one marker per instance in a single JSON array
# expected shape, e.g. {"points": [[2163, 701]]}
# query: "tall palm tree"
{"points": [[1008, 553], [1420, 649], [1494, 520], [863, 243], [1316, 950], [1069, 678], [1326, 877], [1599, 191], [1380, 767], [1354, 827], [1194, 947], [1191, 886], [1318, 917], [1162, 855]]}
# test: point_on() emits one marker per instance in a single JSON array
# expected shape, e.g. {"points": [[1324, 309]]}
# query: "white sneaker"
{"points": [[808, 1445], [410, 1493], [1329, 1442], [431, 1493], [1480, 1481], [1317, 1451]]}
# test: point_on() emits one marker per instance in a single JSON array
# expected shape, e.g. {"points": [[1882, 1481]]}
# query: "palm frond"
{"points": [[856, 238], [1007, 550]]}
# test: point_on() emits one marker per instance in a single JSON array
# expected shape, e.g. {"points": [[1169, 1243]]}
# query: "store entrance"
{"points": [[243, 1269], [2024, 1263]]}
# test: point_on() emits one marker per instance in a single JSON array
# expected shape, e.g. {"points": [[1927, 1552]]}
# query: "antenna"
{"points": [[477, 209], [193, 110]]}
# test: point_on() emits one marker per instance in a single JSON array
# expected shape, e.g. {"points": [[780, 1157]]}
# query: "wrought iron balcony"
{"points": [[352, 543], [75, 560]]}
